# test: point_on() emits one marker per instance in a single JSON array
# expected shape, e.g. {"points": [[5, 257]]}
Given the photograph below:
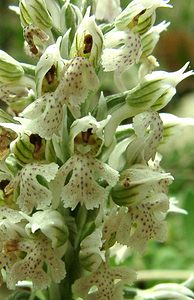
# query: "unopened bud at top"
{"points": [[35, 12]]}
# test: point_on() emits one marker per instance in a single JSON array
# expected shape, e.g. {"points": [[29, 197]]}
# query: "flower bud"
{"points": [[88, 41], [25, 18], [22, 149], [136, 184], [156, 89], [27, 148], [70, 18], [35, 12], [139, 15], [10, 69]]}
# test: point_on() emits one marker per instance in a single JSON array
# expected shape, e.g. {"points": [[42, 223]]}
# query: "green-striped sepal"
{"points": [[10, 69], [35, 12], [139, 15], [27, 148], [150, 38]]}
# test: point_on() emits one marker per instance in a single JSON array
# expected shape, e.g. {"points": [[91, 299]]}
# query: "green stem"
{"points": [[54, 293]]}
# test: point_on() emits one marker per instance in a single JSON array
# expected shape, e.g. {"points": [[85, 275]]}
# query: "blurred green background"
{"points": [[176, 47]]}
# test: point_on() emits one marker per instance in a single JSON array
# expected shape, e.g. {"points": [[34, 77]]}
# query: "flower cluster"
{"points": [[74, 180]]}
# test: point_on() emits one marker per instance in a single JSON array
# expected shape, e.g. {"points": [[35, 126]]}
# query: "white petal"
{"points": [[32, 193], [122, 56], [78, 79], [38, 253], [43, 117], [82, 186]]}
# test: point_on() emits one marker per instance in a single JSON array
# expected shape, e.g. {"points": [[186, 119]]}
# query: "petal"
{"points": [[124, 54], [32, 193], [79, 78], [82, 186], [146, 223], [11, 215], [33, 33], [51, 223], [31, 267], [43, 116], [149, 129], [104, 280]]}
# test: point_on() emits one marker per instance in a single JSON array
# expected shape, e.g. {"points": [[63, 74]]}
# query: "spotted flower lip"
{"points": [[83, 186], [104, 279], [78, 79], [38, 252], [32, 193], [137, 224], [122, 50], [48, 114]]}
